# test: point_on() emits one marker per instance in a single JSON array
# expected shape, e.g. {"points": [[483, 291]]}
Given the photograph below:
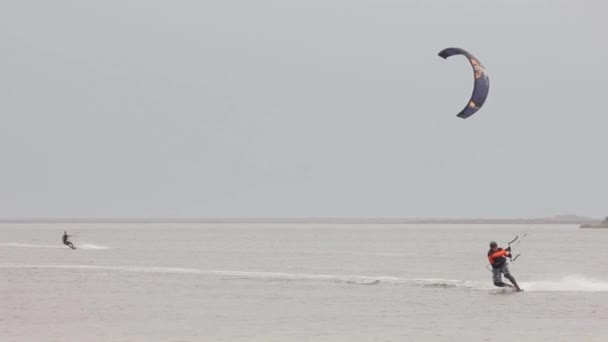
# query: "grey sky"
{"points": [[301, 108]]}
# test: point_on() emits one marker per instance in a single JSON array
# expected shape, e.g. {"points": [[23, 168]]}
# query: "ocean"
{"points": [[299, 282]]}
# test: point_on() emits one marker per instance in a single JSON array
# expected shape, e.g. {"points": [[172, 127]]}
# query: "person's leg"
{"points": [[497, 277], [507, 273]]}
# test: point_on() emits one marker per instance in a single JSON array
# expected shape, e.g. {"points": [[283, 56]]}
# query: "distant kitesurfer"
{"points": [[498, 260], [66, 241]]}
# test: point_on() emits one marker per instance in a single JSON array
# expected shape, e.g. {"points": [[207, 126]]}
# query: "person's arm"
{"points": [[503, 252], [498, 254]]}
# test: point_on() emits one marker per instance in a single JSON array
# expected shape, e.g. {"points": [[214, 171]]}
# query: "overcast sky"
{"points": [[310, 108]]}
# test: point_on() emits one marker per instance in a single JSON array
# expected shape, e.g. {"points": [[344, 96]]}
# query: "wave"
{"points": [[270, 276], [566, 284], [359, 280], [172, 270], [450, 283], [352, 279], [28, 245], [85, 246], [572, 283]]}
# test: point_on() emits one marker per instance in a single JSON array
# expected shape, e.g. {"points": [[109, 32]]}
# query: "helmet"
{"points": [[493, 244]]}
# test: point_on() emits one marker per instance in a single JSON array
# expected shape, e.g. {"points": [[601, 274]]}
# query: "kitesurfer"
{"points": [[498, 260], [66, 241]]}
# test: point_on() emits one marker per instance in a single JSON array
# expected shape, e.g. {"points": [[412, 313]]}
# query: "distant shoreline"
{"points": [[539, 221]]}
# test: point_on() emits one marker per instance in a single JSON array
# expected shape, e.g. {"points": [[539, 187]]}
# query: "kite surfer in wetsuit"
{"points": [[66, 241], [498, 259]]}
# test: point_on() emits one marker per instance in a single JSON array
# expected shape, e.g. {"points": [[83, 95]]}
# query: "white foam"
{"points": [[91, 246], [573, 283], [567, 284]]}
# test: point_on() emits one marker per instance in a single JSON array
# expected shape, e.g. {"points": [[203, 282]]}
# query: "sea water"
{"points": [[299, 282]]}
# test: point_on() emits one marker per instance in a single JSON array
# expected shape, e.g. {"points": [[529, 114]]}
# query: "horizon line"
{"points": [[558, 219]]}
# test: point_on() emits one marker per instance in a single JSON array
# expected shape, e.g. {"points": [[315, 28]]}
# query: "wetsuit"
{"points": [[66, 242], [498, 261]]}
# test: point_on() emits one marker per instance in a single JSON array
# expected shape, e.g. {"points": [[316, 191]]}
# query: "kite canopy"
{"points": [[481, 86]]}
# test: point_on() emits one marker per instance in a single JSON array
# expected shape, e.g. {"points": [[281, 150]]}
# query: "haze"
{"points": [[301, 109]]}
